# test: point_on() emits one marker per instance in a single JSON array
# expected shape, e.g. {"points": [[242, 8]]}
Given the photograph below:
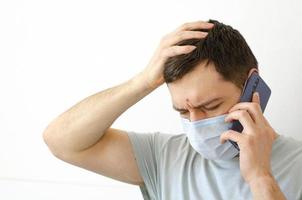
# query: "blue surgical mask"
{"points": [[204, 137]]}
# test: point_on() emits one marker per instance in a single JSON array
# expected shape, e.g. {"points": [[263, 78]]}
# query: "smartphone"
{"points": [[254, 84]]}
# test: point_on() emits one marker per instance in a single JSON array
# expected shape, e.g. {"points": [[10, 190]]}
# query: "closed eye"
{"points": [[183, 112], [208, 109], [213, 108]]}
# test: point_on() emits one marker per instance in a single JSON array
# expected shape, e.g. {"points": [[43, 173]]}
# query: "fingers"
{"points": [[256, 98], [244, 118], [177, 50], [184, 32], [194, 25], [230, 135], [253, 108], [184, 35]]}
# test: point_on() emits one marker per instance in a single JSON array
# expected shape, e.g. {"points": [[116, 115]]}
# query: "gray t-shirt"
{"points": [[172, 169]]}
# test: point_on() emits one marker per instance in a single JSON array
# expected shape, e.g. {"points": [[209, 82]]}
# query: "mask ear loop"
{"points": [[188, 106], [250, 73]]}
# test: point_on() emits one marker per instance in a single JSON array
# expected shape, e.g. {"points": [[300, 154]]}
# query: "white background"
{"points": [[55, 53]]}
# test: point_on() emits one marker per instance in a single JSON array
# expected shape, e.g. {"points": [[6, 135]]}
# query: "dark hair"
{"points": [[224, 46]]}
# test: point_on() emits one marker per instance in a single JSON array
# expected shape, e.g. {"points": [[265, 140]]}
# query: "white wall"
{"points": [[55, 53]]}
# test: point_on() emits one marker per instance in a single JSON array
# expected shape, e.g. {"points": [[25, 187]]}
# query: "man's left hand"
{"points": [[255, 141]]}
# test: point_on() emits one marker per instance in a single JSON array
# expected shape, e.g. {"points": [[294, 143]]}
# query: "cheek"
{"points": [[229, 102], [233, 101]]}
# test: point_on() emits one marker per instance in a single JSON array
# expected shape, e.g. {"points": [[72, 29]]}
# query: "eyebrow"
{"points": [[201, 105]]}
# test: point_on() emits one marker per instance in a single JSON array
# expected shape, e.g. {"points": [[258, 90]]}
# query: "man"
{"points": [[205, 66]]}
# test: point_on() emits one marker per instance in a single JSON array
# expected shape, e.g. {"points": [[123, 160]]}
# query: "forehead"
{"points": [[201, 84]]}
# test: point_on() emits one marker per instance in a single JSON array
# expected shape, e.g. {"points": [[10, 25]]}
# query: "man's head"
{"points": [[216, 69]]}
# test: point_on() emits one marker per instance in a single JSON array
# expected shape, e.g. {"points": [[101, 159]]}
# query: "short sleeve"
{"points": [[146, 148]]}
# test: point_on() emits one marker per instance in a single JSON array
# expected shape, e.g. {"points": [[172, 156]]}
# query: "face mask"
{"points": [[204, 137]]}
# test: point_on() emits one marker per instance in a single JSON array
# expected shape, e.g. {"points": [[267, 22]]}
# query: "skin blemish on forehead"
{"points": [[203, 90]]}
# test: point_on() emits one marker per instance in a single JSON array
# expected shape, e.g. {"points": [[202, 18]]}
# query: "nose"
{"points": [[195, 114]]}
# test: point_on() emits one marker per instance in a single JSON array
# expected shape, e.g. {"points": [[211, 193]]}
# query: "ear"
{"points": [[251, 71]]}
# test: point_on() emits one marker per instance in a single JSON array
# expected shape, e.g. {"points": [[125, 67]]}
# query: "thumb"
{"points": [[256, 97]]}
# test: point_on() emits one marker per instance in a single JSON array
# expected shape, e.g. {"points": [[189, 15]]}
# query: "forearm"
{"points": [[266, 188], [83, 125]]}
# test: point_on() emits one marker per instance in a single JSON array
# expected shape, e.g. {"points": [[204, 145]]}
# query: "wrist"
{"points": [[266, 187], [264, 179], [258, 174], [140, 81], [148, 84]]}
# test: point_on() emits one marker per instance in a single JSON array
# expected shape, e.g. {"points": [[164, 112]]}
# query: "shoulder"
{"points": [[287, 151], [288, 144], [159, 140], [287, 165], [164, 140], [161, 144]]}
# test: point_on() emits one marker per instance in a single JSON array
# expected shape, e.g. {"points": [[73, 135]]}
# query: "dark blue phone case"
{"points": [[254, 84]]}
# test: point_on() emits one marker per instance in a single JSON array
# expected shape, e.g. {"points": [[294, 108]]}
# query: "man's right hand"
{"points": [[83, 135], [153, 73]]}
